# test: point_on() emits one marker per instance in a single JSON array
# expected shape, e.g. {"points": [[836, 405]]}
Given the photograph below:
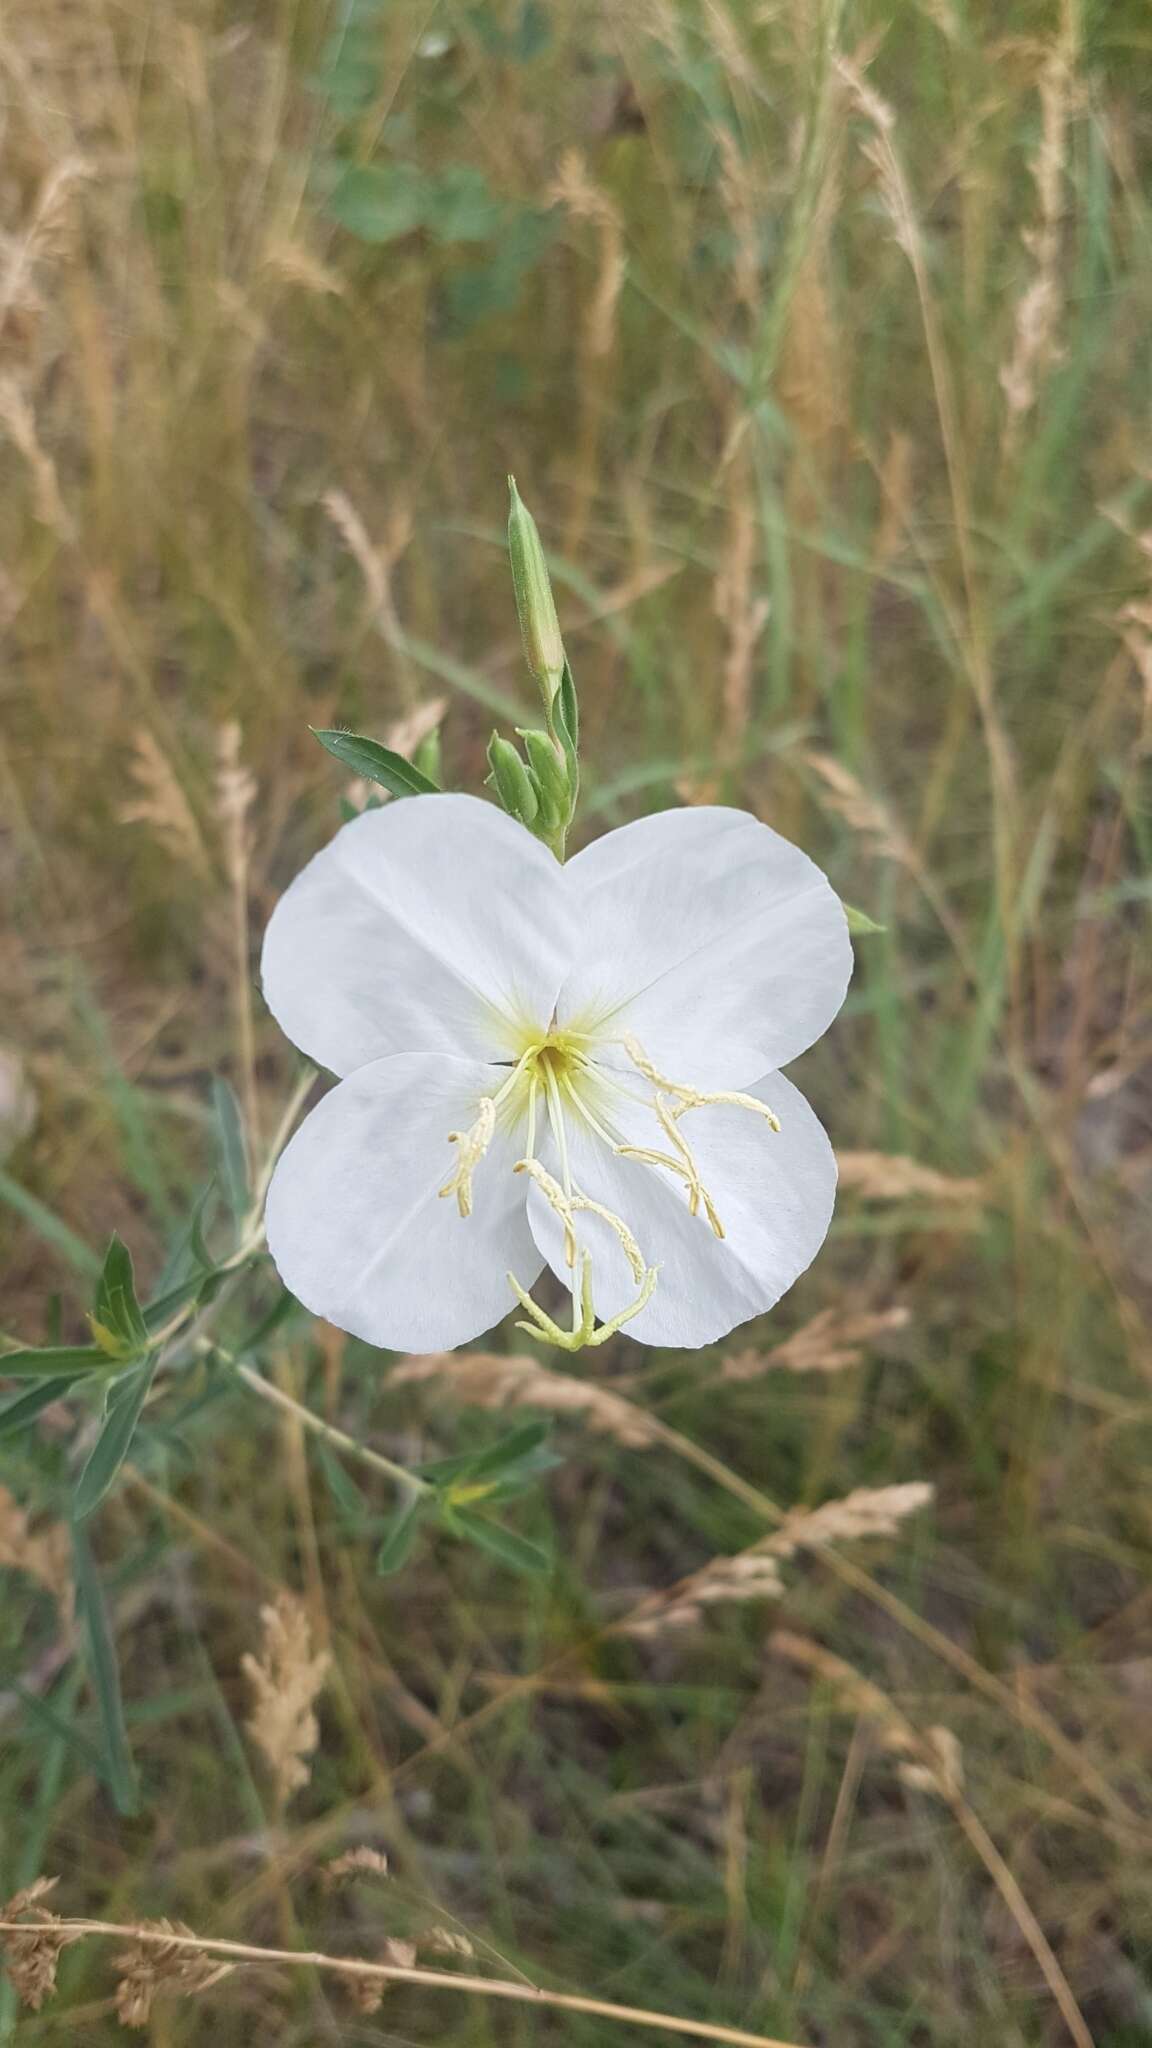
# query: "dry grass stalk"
{"points": [[833, 1341], [31, 1957], [845, 794], [887, 1177], [235, 795], [742, 611], [375, 560], [45, 1556], [1035, 348], [353, 1969], [482, 1379], [286, 1680], [868, 1511], [755, 1574], [148, 1968], [445, 1941], [933, 1762], [162, 805], [362, 1862], [17, 417], [574, 189]]}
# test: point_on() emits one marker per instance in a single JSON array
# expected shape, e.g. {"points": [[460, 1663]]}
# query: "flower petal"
{"points": [[357, 1225], [773, 1191], [432, 923], [715, 942]]}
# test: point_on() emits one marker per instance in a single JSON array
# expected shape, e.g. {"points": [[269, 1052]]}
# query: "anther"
{"points": [[473, 1144]]}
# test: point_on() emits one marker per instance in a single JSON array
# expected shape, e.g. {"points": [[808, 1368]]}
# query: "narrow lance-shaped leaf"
{"points": [[376, 763], [122, 1408], [105, 1675], [232, 1146], [400, 1535], [117, 1319], [22, 1412], [504, 1544], [53, 1359]]}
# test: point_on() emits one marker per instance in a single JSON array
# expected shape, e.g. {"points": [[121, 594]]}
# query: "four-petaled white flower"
{"points": [[599, 1041]]}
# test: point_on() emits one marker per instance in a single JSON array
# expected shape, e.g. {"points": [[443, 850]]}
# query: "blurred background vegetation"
{"points": [[816, 333]]}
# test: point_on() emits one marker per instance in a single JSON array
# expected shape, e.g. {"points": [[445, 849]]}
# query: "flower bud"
{"points": [[550, 772], [513, 784], [539, 626]]}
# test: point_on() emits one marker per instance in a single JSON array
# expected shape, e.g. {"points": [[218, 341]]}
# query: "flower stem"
{"points": [[307, 1419]]}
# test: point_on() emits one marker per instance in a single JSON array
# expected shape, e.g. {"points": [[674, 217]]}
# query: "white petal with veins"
{"points": [[719, 944], [356, 1223], [426, 926]]}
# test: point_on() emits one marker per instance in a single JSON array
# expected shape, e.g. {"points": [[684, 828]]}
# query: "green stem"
{"points": [[307, 1419]]}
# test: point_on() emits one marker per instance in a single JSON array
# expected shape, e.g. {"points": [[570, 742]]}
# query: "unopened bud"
{"points": [[513, 783], [539, 626], [550, 771]]}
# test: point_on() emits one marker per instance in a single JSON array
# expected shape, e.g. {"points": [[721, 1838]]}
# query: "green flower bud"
{"points": [[514, 785], [550, 773], [539, 626]]}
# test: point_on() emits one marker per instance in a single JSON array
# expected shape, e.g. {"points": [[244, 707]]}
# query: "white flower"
{"points": [[599, 1042]]}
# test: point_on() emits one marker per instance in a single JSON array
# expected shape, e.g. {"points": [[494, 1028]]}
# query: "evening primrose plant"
{"points": [[544, 1066], [550, 1063]]}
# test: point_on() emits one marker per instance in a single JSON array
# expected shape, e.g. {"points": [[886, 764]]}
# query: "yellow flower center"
{"points": [[556, 1077]]}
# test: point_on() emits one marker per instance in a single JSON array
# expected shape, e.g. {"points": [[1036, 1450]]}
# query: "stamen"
{"points": [[693, 1098], [566, 1207], [473, 1145]]}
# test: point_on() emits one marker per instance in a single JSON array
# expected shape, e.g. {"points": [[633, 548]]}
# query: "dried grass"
{"points": [[163, 806], [31, 1959], [833, 1341], [148, 1969], [888, 1177], [45, 1556], [483, 1379], [286, 1679], [755, 1574], [1036, 349]]}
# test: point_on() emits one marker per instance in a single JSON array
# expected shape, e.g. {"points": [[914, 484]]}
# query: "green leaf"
{"points": [[490, 1459], [117, 1319], [505, 1545], [344, 1491], [376, 763], [105, 1675], [459, 206], [72, 1359], [18, 1414], [54, 1723], [122, 1406], [400, 1535], [165, 1306], [859, 923], [380, 202], [232, 1146]]}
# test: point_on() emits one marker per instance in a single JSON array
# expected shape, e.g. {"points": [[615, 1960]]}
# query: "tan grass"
{"points": [[286, 1678], [43, 1555], [161, 805], [483, 1379], [1036, 346], [754, 1574], [31, 1954], [889, 1177], [165, 1965], [834, 1340]]}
